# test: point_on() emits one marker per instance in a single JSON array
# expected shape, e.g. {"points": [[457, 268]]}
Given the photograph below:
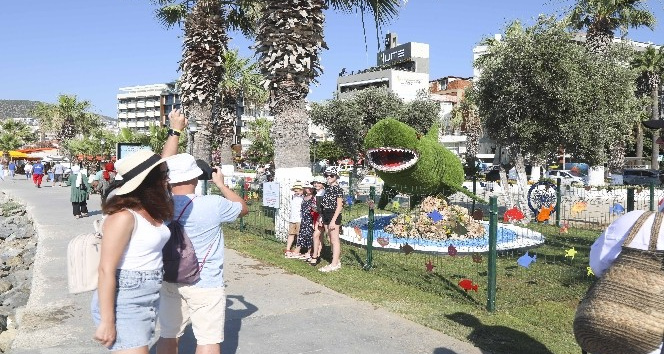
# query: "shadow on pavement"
{"points": [[236, 309], [497, 339]]}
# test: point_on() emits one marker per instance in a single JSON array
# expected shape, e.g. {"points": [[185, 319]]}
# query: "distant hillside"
{"points": [[22, 109], [16, 108]]}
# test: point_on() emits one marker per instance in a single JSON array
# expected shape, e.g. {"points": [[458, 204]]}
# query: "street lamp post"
{"points": [[102, 142], [314, 143]]}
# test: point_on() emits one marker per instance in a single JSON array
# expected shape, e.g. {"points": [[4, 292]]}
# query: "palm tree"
{"points": [[651, 64], [289, 42], [602, 18], [240, 81], [13, 135], [206, 23]]}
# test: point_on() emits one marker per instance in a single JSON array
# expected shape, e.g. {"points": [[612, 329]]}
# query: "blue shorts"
{"points": [[136, 303]]}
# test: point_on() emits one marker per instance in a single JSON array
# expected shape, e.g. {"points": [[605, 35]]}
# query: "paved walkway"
{"points": [[269, 311]]}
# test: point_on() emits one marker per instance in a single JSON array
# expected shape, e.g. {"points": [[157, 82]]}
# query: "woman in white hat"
{"points": [[124, 306]]}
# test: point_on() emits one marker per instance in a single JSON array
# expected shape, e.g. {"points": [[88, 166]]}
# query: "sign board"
{"points": [[271, 194], [394, 55], [126, 149]]}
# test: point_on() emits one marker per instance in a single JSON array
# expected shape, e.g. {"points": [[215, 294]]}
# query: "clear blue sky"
{"points": [[91, 48]]}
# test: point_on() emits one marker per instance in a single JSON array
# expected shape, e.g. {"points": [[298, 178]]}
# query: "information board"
{"points": [[271, 194]]}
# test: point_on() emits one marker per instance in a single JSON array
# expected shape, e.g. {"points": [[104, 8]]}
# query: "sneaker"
{"points": [[330, 268], [294, 255]]}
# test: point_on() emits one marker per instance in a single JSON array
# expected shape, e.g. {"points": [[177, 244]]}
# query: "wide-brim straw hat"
{"points": [[136, 167]]}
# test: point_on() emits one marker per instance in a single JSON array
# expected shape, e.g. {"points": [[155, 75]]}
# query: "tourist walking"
{"points": [[37, 173], [294, 219], [2, 170], [203, 304], [331, 206], [125, 304], [28, 170], [58, 172], [80, 191], [12, 169]]}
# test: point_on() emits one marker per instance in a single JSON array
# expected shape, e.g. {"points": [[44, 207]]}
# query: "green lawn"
{"points": [[534, 307]]}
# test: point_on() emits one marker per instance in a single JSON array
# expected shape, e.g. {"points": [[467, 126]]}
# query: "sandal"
{"points": [[314, 261]]}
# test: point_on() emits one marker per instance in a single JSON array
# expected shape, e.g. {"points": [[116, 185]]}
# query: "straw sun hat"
{"points": [[136, 167]]}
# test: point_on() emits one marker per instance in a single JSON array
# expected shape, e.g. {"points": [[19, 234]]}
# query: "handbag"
{"points": [[623, 311], [83, 254]]}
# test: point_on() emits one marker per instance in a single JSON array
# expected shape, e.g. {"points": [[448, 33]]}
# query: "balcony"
{"points": [[122, 115], [131, 105], [140, 124], [140, 104], [122, 124], [140, 114], [150, 104], [131, 115], [131, 124], [122, 106]]}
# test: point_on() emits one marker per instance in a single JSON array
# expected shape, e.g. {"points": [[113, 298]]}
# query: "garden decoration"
{"points": [[526, 259], [416, 165], [477, 257], [358, 232], [429, 266], [541, 194], [571, 253], [579, 207], [383, 241], [589, 271], [545, 213], [406, 248], [478, 214], [616, 209], [564, 228], [513, 215], [451, 250], [449, 222], [467, 284]]}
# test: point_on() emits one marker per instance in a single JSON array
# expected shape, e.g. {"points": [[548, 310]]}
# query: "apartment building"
{"points": [[145, 105]]}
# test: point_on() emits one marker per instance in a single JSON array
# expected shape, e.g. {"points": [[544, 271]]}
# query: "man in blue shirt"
{"points": [[12, 169], [37, 173], [202, 304]]}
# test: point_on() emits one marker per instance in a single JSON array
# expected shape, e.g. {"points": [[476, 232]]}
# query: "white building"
{"points": [[142, 106], [404, 69]]}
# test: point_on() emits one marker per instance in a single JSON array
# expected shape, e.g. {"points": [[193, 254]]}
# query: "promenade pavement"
{"points": [[268, 310]]}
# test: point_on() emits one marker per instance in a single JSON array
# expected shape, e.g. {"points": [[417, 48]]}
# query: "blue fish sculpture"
{"points": [[526, 259], [435, 216], [616, 209]]}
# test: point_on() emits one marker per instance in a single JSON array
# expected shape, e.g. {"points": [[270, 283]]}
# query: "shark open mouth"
{"points": [[388, 159]]}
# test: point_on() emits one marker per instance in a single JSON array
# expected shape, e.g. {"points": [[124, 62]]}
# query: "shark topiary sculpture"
{"points": [[412, 163]]}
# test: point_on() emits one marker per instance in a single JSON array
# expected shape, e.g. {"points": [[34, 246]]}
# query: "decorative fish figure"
{"points": [[564, 228], [526, 259], [589, 271], [571, 252], [579, 207], [408, 218], [395, 205], [616, 209], [477, 257], [467, 284], [460, 230], [358, 231], [406, 248], [478, 214], [435, 216], [429, 266], [383, 241], [513, 215], [451, 250], [545, 213]]}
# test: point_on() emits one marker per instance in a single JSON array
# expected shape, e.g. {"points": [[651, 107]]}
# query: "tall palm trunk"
{"points": [[205, 41], [654, 81]]}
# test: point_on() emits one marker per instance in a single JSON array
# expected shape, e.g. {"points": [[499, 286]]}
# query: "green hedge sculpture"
{"points": [[412, 163]]}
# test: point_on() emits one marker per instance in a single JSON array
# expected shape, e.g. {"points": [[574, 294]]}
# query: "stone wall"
{"points": [[18, 245]]}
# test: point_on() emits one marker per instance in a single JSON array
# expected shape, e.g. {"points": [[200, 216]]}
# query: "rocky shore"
{"points": [[18, 245]]}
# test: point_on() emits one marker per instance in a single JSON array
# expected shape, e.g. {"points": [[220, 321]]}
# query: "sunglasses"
{"points": [[328, 176]]}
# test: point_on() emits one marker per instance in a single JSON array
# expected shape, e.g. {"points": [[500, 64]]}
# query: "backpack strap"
{"points": [[200, 267], [637, 227], [185, 208]]}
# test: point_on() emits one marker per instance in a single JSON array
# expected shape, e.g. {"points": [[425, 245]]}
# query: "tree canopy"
{"points": [[538, 90]]}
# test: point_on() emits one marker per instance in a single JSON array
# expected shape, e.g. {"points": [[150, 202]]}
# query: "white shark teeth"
{"points": [[391, 159]]}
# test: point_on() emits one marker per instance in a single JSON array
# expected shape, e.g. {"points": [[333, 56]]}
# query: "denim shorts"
{"points": [[136, 304]]}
